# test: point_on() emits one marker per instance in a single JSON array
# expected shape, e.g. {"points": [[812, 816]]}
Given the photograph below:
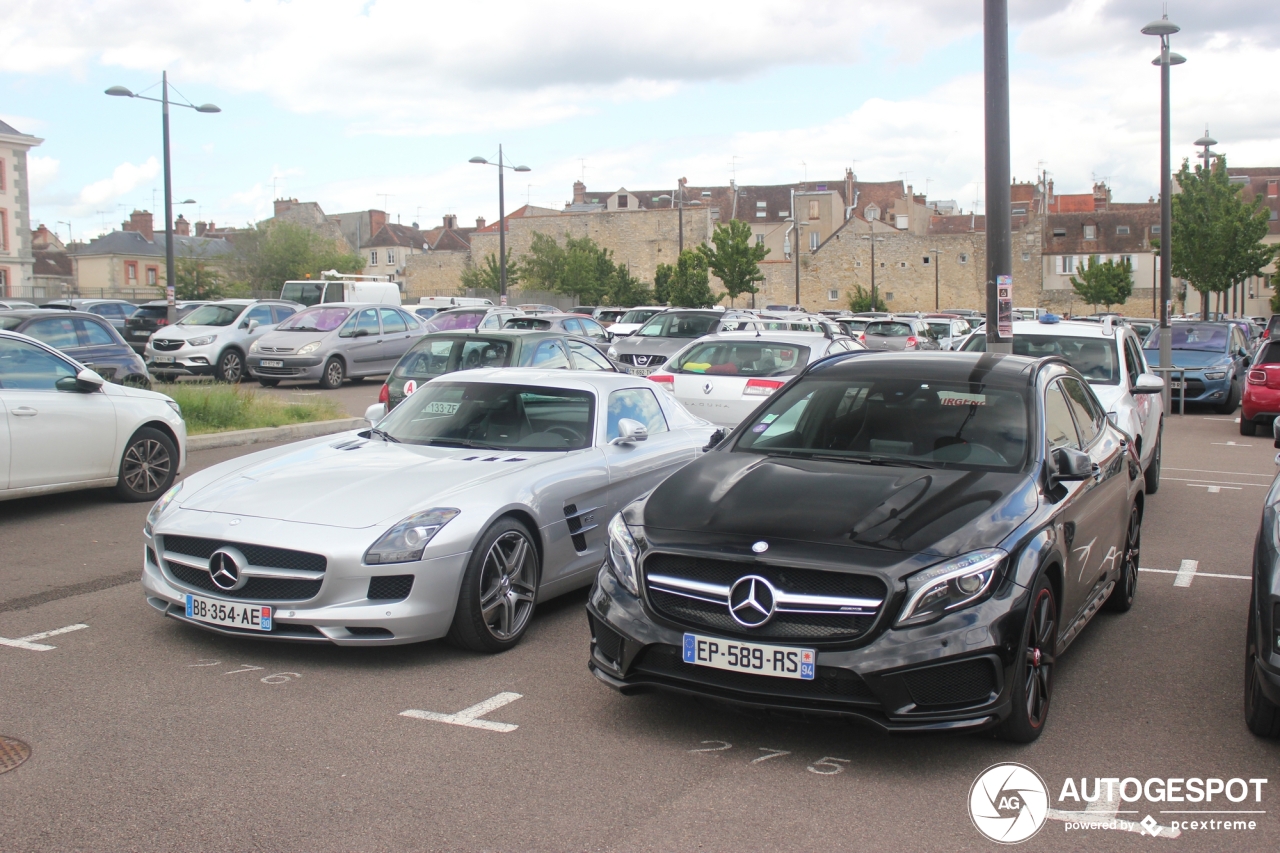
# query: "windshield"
{"points": [[212, 315], [742, 358], [1195, 337], [914, 422], [152, 312], [452, 321], [1095, 358], [527, 323], [437, 356], [305, 292], [612, 317], [10, 323], [315, 320], [494, 416], [890, 330], [638, 315], [678, 326]]}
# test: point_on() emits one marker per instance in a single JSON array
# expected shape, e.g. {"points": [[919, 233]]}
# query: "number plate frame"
{"points": [[774, 661], [213, 611], [163, 359], [641, 371], [271, 363]]}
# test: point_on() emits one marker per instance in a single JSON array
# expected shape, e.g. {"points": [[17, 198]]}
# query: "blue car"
{"points": [[1216, 358]]}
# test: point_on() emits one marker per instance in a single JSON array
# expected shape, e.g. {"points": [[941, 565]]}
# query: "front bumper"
{"points": [[187, 360], [1197, 389], [292, 367], [342, 602], [901, 680]]}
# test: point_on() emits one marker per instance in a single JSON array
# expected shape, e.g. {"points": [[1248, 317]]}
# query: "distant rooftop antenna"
{"points": [[583, 175], [733, 167]]}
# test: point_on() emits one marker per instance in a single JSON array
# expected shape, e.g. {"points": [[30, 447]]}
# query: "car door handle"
{"points": [[24, 412]]}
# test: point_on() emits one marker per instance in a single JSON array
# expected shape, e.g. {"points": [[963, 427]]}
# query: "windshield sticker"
{"points": [[954, 398], [769, 418], [760, 427]]}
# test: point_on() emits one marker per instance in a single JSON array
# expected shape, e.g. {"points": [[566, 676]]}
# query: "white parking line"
{"points": [[30, 644], [1186, 573], [1230, 444], [1223, 473], [1218, 484], [1199, 574], [469, 716]]}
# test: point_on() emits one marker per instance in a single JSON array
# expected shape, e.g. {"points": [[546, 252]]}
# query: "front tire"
{"points": [[148, 466], [1121, 597], [334, 374], [499, 590], [1261, 715], [1152, 476], [1233, 400], [230, 367], [1033, 675]]}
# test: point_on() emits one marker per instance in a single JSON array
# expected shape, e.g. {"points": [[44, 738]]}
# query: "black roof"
{"points": [[997, 369]]}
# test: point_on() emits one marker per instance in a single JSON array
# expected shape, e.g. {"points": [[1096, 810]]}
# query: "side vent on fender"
{"points": [[580, 522]]}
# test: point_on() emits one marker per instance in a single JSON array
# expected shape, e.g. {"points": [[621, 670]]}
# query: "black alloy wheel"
{"points": [[148, 466], [499, 590], [1121, 597], [230, 366], [1152, 476], [1261, 715], [1033, 674], [334, 373]]}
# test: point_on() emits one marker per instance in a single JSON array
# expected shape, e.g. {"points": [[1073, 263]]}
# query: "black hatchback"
{"points": [[151, 316], [88, 338], [909, 540]]}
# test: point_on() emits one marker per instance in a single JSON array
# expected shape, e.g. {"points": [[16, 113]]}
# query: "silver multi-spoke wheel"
{"points": [[231, 367], [507, 585], [148, 466]]}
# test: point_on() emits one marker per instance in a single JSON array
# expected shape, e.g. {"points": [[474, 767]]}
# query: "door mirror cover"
{"points": [[1072, 464], [1148, 383], [630, 431], [87, 381], [360, 333], [251, 325], [375, 413]]}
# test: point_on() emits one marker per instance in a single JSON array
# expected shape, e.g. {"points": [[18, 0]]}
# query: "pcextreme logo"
{"points": [[1008, 803]]}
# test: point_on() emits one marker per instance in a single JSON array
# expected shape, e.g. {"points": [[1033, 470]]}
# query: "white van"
{"points": [[346, 289], [444, 302]]}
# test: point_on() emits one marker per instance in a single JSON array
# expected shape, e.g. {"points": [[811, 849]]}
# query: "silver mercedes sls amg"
{"points": [[480, 495]]}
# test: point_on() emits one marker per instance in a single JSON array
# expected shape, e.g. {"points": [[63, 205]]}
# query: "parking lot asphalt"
{"points": [[147, 733]]}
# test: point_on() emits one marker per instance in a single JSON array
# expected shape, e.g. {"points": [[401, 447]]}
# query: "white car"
{"points": [[62, 427], [723, 377], [636, 317], [214, 339], [1109, 355]]}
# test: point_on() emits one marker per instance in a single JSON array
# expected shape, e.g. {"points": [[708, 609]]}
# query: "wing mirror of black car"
{"points": [[629, 432], [1071, 464], [718, 436], [84, 382]]}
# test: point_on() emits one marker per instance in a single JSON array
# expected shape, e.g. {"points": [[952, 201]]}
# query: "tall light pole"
{"points": [[679, 201], [1163, 29], [995, 43], [502, 221], [171, 273], [937, 286], [874, 240], [794, 231]]}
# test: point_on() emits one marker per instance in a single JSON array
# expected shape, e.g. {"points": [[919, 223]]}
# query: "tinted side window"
{"points": [[493, 321], [637, 404], [1084, 409], [29, 367], [592, 328], [261, 313], [279, 312], [1059, 429], [392, 321], [586, 357], [94, 334], [58, 332], [572, 326], [550, 355]]}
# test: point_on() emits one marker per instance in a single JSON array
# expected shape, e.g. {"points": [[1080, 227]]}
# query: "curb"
{"points": [[236, 438]]}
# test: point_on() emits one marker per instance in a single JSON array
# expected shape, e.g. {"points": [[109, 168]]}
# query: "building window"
{"points": [[1091, 232], [761, 214], [1127, 259], [706, 193], [131, 271], [925, 259], [391, 256], [1064, 264], [2, 176], [762, 204], [814, 241], [1019, 211], [833, 296], [786, 246], [888, 297], [373, 257], [872, 212], [1122, 230], [857, 263], [622, 201], [4, 281], [1274, 215], [1059, 232], [153, 276], [813, 209], [759, 239], [1026, 256], [902, 265], [4, 230], [964, 258], [1155, 229]]}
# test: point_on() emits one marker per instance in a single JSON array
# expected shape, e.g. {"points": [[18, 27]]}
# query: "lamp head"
{"points": [[1205, 141], [208, 108], [119, 92], [1162, 27], [523, 169], [478, 160]]}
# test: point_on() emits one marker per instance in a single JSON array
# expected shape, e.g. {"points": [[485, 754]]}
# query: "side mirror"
{"points": [[375, 413], [714, 441], [360, 333], [84, 382], [252, 324], [629, 432], [1148, 383], [1072, 464]]}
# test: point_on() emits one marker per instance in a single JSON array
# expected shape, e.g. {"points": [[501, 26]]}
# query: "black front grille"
{"points": [[643, 360], [1193, 388], [278, 371], [369, 631], [258, 555], [151, 557], [256, 589], [962, 683], [165, 345], [834, 627], [390, 587], [831, 683]]}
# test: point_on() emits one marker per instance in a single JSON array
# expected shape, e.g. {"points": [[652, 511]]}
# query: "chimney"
{"points": [[848, 187], [201, 227], [579, 192], [479, 223], [140, 221], [450, 222], [182, 226], [40, 237], [377, 219], [283, 205]]}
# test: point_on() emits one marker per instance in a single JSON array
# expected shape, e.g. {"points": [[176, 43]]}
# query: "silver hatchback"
{"points": [[331, 342]]}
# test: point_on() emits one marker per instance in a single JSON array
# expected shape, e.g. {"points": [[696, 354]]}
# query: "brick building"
{"points": [[16, 260]]}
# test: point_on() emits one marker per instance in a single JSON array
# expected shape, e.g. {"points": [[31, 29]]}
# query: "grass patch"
{"points": [[217, 407]]}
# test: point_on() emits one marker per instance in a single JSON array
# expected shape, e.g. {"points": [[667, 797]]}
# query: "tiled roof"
{"points": [[52, 263], [1076, 203], [524, 212], [392, 234], [1137, 218], [133, 243], [10, 130], [963, 223], [1257, 186], [452, 240]]}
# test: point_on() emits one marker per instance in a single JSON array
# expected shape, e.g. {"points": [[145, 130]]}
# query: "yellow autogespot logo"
{"points": [[1008, 803]]}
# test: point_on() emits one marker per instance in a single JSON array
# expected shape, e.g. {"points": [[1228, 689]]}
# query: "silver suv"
{"points": [[214, 339]]}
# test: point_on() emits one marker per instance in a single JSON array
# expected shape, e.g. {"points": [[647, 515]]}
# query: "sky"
{"points": [[361, 104]]}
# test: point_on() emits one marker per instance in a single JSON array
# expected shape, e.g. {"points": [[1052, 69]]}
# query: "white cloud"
{"points": [[126, 178], [41, 171]]}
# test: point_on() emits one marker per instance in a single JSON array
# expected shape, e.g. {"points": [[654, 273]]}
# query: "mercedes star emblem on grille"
{"points": [[751, 601], [226, 568]]}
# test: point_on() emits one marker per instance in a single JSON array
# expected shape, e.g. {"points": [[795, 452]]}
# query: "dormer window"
{"points": [[622, 201], [872, 212], [1091, 232]]}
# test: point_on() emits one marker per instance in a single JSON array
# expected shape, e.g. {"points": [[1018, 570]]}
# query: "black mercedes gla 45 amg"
{"points": [[909, 540]]}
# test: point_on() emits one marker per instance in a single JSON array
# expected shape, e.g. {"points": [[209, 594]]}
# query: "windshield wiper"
{"points": [[860, 460], [383, 434], [465, 442]]}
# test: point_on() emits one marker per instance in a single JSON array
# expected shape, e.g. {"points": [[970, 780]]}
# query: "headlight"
{"points": [[1214, 374], [613, 352], [624, 553], [405, 542], [307, 349], [160, 506], [253, 347], [202, 341], [949, 586], [173, 404]]}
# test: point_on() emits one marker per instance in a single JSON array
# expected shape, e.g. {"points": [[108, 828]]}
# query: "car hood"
{"points": [[182, 333], [352, 482], [903, 510], [1191, 358], [292, 340]]}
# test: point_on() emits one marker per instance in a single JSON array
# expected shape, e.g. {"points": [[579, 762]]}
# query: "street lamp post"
{"points": [[937, 286], [679, 202], [1163, 29], [1206, 142], [995, 43], [794, 231], [171, 273], [502, 221], [874, 240]]}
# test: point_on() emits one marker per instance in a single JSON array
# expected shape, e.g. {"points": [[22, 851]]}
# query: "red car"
{"points": [[1260, 402]]}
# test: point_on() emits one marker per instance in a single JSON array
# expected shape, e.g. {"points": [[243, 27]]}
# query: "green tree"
{"points": [[278, 252], [196, 279], [735, 258], [860, 300], [662, 283], [1107, 283], [1217, 236], [582, 269], [625, 290], [543, 267], [690, 286], [487, 276]]}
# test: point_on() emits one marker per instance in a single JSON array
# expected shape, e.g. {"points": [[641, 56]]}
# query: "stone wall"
{"points": [[434, 274]]}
